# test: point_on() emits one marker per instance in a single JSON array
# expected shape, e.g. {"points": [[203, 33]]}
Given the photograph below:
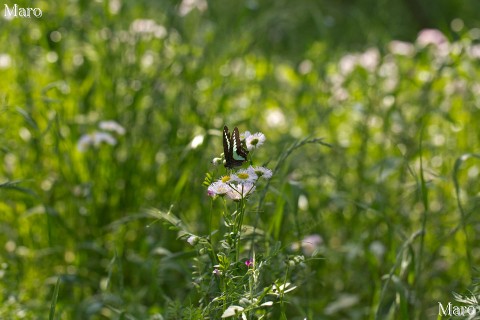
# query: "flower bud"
{"points": [[192, 240]]}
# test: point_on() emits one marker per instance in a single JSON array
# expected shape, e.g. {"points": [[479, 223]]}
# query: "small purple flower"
{"points": [[217, 272], [248, 263]]}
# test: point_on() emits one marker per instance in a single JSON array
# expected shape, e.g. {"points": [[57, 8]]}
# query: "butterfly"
{"points": [[235, 153]]}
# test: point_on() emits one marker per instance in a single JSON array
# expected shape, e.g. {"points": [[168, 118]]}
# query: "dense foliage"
{"points": [[391, 203]]}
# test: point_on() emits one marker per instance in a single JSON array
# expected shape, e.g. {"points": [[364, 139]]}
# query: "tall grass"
{"points": [[394, 198]]}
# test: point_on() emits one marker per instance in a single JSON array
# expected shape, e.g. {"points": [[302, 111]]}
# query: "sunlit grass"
{"points": [[393, 198]]}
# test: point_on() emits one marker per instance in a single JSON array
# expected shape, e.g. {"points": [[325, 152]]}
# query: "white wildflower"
{"points": [[96, 138], [99, 137], [240, 191], [218, 188], [245, 135], [113, 126], [245, 176], [260, 172], [255, 140], [84, 142]]}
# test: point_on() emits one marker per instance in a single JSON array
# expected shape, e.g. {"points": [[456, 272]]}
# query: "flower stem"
{"points": [[282, 302], [238, 228]]}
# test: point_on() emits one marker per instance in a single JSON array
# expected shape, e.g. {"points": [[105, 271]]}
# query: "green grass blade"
{"points": [[51, 316]]}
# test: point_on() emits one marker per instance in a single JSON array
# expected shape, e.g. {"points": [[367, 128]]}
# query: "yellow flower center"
{"points": [[243, 175], [225, 179]]}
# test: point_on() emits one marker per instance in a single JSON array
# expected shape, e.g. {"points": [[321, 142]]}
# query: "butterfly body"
{"points": [[235, 153]]}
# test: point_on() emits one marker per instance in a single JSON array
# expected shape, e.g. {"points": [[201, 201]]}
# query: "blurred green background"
{"points": [[395, 197]]}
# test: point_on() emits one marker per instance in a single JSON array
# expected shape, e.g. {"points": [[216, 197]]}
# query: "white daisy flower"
{"points": [[99, 137], [218, 188], [260, 172], [255, 140], [84, 142], [245, 176], [95, 139], [240, 191], [111, 125], [245, 135]]}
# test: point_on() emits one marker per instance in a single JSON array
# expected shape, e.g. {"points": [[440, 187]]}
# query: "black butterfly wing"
{"points": [[233, 150], [227, 148], [239, 152], [227, 145]]}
